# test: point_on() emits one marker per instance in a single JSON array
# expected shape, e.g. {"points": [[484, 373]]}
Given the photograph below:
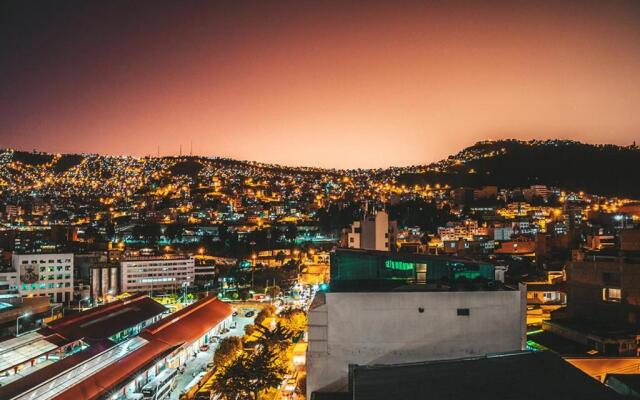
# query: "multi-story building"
{"points": [[373, 232], [156, 273], [379, 311], [467, 230], [603, 303], [45, 275], [540, 191]]}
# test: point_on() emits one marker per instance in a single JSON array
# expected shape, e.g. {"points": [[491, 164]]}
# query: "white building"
{"points": [[45, 275], [156, 273], [374, 232], [347, 328], [502, 233]]}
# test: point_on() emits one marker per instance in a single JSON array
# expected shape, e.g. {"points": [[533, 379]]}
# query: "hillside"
{"points": [[599, 169]]}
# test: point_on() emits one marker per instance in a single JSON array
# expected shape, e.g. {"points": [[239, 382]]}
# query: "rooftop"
{"points": [[162, 338], [521, 375], [460, 285], [104, 321]]}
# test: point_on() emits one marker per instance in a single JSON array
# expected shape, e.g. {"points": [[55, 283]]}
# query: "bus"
{"points": [[160, 387]]}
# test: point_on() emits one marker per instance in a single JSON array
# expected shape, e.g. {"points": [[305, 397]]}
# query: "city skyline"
{"points": [[324, 85]]}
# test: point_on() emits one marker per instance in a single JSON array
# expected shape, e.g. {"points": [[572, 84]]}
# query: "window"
{"points": [[463, 312], [611, 295], [611, 278]]}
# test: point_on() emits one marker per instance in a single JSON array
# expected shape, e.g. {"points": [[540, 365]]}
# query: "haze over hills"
{"points": [[598, 169]]}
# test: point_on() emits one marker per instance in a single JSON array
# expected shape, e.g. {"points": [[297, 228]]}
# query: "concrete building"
{"points": [[390, 319], [603, 303], [373, 232], [353, 235], [156, 273], [540, 191], [45, 275], [514, 375], [486, 192], [630, 240]]}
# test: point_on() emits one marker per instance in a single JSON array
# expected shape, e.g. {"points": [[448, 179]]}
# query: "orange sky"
{"points": [[323, 83]]}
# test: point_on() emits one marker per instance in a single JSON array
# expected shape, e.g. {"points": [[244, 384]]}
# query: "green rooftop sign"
{"points": [[399, 265]]}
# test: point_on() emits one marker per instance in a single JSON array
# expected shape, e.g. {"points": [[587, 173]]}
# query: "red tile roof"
{"points": [[104, 321], [184, 326]]}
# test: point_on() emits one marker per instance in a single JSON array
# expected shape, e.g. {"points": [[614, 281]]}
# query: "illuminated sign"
{"points": [[399, 265]]}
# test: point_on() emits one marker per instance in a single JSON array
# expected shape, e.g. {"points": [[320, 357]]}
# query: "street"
{"points": [[198, 364]]}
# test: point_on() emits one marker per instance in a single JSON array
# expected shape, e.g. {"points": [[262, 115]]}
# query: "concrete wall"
{"points": [[383, 328]]}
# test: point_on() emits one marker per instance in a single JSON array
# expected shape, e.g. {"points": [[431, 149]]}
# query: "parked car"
{"points": [[235, 313], [250, 314], [204, 347]]}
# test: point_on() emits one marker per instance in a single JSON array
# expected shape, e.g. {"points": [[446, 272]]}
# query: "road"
{"points": [[199, 363]]}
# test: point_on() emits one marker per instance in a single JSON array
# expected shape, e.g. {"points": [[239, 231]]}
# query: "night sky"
{"points": [[318, 83]]}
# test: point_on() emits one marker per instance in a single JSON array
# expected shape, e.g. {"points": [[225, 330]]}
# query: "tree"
{"points": [[301, 387], [291, 233], [265, 313], [150, 233], [249, 374], [249, 329], [277, 338], [174, 231], [294, 320], [228, 349]]}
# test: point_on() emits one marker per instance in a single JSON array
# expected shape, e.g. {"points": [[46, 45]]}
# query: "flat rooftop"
{"points": [[373, 285], [520, 375], [21, 349]]}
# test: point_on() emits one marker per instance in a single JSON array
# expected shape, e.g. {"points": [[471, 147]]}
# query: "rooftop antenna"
{"points": [[191, 148], [180, 149]]}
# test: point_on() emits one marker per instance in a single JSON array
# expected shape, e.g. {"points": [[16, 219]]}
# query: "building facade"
{"points": [[373, 232], [363, 328], [45, 275], [387, 308], [156, 274]]}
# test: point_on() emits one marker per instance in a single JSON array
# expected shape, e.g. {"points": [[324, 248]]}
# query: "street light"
{"points": [[54, 307], [81, 300], [18, 319]]}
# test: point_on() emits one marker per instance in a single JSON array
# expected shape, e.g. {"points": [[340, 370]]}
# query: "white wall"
{"points": [[36, 266], [383, 328]]}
